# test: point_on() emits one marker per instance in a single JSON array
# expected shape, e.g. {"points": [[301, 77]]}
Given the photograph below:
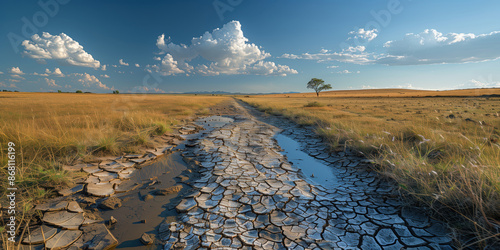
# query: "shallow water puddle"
{"points": [[134, 210], [313, 169]]}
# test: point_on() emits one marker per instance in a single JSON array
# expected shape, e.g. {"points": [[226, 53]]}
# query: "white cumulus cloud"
{"points": [[89, 80], [58, 47], [433, 47], [51, 82], [363, 35], [137, 65], [16, 71], [123, 63], [226, 49], [57, 72]]}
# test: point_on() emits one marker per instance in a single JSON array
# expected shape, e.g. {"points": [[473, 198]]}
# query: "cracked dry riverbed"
{"points": [[248, 195]]}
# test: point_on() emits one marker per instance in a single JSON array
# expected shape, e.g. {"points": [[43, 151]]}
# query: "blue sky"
{"points": [[247, 46]]}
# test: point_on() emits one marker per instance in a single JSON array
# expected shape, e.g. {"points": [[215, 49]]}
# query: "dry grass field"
{"points": [[444, 151], [51, 129]]}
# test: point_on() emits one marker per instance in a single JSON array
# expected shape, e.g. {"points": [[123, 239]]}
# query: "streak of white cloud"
{"points": [[433, 47]]}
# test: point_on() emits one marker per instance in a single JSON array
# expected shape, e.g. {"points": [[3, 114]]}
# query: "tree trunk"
{"points": [[317, 94]]}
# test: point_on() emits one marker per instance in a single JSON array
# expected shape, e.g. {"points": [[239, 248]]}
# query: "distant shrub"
{"points": [[79, 91], [314, 104]]}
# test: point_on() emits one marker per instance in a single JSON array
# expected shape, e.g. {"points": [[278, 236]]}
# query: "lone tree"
{"points": [[318, 85]]}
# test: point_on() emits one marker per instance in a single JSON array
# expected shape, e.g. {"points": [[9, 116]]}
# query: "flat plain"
{"points": [[440, 148]]}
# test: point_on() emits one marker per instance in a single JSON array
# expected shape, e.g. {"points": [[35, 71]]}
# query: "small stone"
{"points": [[112, 220], [146, 239], [111, 203], [183, 178], [148, 197]]}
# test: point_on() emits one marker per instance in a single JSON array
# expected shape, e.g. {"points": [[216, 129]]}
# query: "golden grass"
{"points": [[50, 129], [443, 151]]}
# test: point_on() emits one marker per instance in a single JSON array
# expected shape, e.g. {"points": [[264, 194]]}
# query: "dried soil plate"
{"points": [[133, 156], [70, 191], [114, 168], [97, 236], [92, 169], [74, 207], [52, 206], [128, 164], [92, 179], [139, 161], [59, 217], [100, 189], [106, 176], [126, 173], [63, 239], [73, 223], [40, 235]]}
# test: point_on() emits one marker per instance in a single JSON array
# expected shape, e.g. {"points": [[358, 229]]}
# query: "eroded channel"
{"points": [[141, 213], [143, 210]]}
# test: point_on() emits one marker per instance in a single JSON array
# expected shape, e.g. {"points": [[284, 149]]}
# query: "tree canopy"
{"points": [[318, 85]]}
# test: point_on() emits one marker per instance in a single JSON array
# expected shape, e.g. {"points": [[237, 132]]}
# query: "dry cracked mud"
{"points": [[246, 193], [249, 196]]}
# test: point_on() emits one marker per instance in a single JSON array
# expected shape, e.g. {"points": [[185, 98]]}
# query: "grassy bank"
{"points": [[51, 129], [444, 152]]}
